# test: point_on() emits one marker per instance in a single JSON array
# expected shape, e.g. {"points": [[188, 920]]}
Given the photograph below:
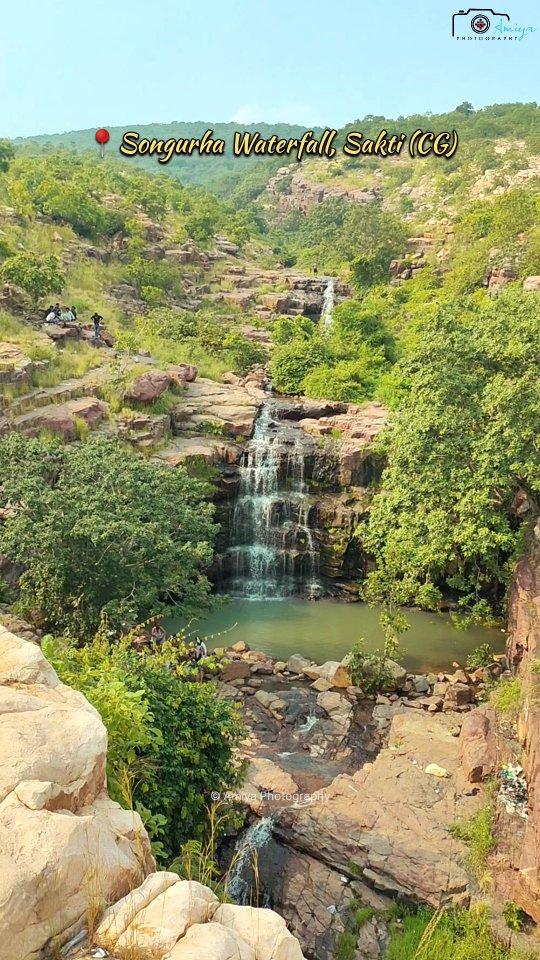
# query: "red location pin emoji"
{"points": [[102, 137]]}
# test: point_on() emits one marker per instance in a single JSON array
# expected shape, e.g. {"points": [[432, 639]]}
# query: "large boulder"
{"points": [[148, 387], [264, 930], [156, 928], [478, 747], [66, 848], [211, 940]]}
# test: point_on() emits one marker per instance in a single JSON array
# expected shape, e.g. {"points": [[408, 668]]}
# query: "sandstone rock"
{"points": [[321, 685], [183, 373], [458, 694], [235, 670], [420, 684], [334, 672], [23, 662], [337, 707], [298, 664], [211, 941], [148, 387], [477, 744], [263, 930], [240, 647], [434, 770], [61, 419], [391, 822], [532, 284], [118, 917], [56, 821], [156, 928]]}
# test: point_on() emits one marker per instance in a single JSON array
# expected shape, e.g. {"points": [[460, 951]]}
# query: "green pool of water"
{"points": [[327, 629]]}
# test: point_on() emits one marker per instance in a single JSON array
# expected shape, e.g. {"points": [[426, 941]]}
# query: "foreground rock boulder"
{"points": [[167, 918], [66, 848]]}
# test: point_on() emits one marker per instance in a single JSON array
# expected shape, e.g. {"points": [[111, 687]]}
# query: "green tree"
{"points": [[6, 155], [460, 449], [39, 276], [100, 531]]}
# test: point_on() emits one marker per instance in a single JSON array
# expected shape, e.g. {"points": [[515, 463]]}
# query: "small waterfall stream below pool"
{"points": [[244, 863], [272, 551]]}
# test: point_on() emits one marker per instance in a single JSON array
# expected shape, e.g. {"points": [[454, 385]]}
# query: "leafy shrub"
{"points": [[514, 917], [37, 275], [99, 530], [171, 741], [481, 656]]}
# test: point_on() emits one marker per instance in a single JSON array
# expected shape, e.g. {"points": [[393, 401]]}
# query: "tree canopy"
{"points": [[99, 531]]}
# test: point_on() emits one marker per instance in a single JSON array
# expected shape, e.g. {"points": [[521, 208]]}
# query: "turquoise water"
{"points": [[327, 629]]}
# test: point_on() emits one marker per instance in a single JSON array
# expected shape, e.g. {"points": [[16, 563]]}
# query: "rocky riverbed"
{"points": [[351, 799]]}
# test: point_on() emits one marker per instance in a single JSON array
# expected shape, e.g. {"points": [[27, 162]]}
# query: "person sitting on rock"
{"points": [[74, 312], [66, 316], [96, 320], [50, 316]]}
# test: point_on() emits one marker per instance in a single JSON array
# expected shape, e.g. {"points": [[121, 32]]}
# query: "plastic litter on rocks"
{"points": [[513, 790]]}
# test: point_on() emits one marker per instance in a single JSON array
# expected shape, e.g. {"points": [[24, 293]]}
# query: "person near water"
{"points": [[158, 634], [96, 320]]}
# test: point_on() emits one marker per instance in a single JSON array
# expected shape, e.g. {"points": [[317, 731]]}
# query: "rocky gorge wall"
{"points": [[524, 655]]}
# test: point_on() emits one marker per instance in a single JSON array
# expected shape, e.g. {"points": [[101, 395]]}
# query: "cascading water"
{"points": [[273, 552], [327, 312], [247, 850]]}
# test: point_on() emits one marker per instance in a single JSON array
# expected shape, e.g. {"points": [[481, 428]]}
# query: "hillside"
{"points": [[399, 258]]}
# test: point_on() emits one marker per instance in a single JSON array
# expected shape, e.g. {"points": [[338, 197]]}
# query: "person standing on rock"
{"points": [[96, 320]]}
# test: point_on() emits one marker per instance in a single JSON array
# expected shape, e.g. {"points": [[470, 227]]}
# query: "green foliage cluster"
{"points": [[345, 363], [454, 935], [336, 233], [478, 834], [507, 697], [170, 740], [175, 336], [99, 531], [462, 446], [39, 276]]}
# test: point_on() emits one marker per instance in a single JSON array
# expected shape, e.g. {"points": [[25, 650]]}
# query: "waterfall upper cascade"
{"points": [[327, 313], [273, 552]]}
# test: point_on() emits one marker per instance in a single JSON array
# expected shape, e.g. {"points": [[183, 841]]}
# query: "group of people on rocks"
{"points": [[64, 316], [158, 635]]}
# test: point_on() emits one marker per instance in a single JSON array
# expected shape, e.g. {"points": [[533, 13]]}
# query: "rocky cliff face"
{"points": [[524, 655]]}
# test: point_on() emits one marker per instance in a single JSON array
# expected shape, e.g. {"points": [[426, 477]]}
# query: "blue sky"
{"points": [[66, 66]]}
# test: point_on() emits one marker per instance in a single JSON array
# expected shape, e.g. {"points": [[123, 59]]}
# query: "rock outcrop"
{"points": [[66, 848], [524, 655]]}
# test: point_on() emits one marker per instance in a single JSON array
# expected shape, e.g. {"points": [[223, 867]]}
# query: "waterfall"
{"points": [[328, 304], [273, 552], [246, 851]]}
